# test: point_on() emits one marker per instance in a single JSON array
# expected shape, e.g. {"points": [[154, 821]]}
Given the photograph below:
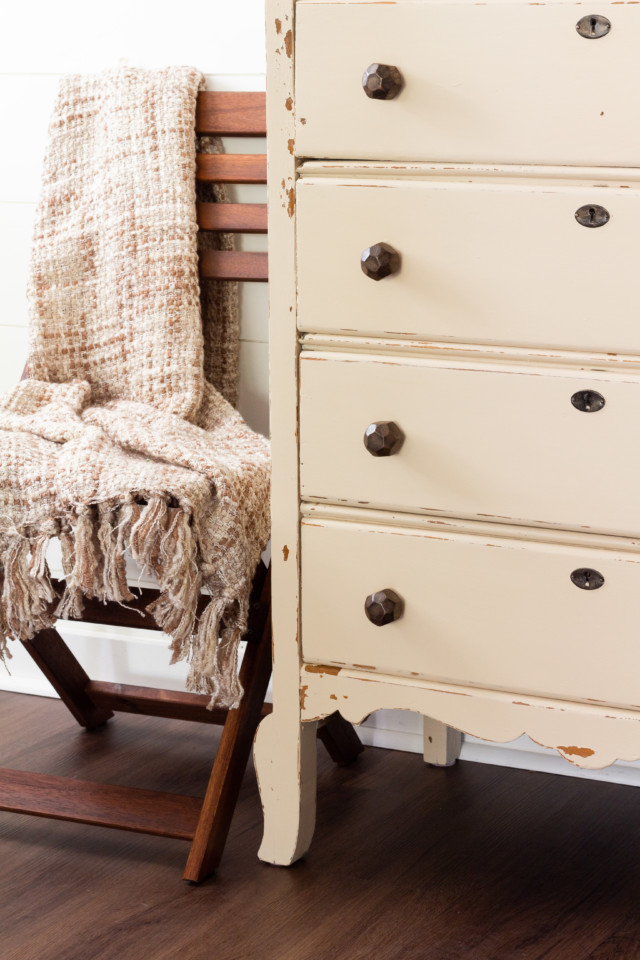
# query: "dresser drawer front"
{"points": [[479, 262], [496, 613], [511, 82], [492, 442]]}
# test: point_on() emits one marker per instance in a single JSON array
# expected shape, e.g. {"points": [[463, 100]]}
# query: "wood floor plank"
{"points": [[621, 945], [408, 862]]}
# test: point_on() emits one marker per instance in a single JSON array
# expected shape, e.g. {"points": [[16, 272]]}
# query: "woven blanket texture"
{"points": [[118, 442]]}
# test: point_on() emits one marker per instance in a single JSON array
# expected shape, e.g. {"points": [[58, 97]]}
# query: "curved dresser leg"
{"points": [[286, 766], [441, 743]]}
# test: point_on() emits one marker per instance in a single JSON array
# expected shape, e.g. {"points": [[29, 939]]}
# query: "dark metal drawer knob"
{"points": [[592, 215], [382, 81], [383, 607], [589, 401], [384, 438], [593, 27], [587, 579], [380, 261]]}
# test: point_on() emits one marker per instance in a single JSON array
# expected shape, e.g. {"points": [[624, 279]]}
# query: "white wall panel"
{"points": [[13, 355], [76, 36], [253, 401], [16, 226], [25, 106], [254, 311]]}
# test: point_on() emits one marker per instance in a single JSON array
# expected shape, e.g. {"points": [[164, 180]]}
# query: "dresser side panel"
{"points": [[284, 752]]}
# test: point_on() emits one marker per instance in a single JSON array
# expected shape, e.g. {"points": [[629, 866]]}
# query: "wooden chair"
{"points": [[204, 822]]}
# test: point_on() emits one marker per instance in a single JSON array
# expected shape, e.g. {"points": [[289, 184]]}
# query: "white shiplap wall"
{"points": [[39, 42]]}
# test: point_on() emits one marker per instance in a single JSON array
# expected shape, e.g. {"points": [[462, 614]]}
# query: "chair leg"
{"points": [[65, 673], [49, 651], [233, 753], [340, 739]]}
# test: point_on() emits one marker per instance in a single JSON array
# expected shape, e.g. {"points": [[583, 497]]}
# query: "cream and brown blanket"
{"points": [[117, 442]]}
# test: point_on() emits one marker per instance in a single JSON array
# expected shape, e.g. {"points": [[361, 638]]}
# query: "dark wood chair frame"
{"points": [[204, 821]]}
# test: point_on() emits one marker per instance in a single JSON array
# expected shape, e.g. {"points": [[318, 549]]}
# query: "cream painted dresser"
{"points": [[454, 193]]}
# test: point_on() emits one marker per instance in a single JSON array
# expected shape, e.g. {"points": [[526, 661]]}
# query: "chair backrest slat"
{"points": [[236, 114], [231, 167], [232, 114], [233, 217], [233, 265]]}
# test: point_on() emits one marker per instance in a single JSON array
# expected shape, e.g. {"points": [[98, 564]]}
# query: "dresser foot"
{"points": [[441, 743], [286, 765]]}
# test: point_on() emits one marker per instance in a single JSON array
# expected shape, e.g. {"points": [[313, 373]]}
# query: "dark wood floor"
{"points": [[408, 862]]}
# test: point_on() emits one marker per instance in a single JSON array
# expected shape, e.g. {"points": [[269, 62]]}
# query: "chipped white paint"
{"points": [[481, 440], [479, 610], [508, 233], [487, 172], [482, 352], [502, 488], [498, 81], [483, 528], [285, 751], [588, 735]]}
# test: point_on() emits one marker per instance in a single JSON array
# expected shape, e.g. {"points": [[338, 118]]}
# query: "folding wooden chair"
{"points": [[204, 822]]}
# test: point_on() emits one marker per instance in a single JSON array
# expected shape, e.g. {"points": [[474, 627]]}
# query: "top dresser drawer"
{"points": [[506, 82]]}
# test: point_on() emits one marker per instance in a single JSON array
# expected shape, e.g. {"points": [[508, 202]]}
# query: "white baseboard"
{"points": [[141, 657]]}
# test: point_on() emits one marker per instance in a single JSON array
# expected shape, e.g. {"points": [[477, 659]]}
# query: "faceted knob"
{"points": [[381, 81], [380, 261], [383, 607], [384, 438]]}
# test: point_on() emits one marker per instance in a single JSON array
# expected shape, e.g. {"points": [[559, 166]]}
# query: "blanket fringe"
{"points": [[83, 580], [214, 663], [114, 526], [163, 543], [94, 539], [26, 599]]}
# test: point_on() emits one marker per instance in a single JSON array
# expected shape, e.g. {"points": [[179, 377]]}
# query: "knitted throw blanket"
{"points": [[117, 441]]}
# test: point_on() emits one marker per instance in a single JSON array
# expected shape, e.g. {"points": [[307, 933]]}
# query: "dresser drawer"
{"points": [[489, 612], [503, 442], [511, 82], [480, 262]]}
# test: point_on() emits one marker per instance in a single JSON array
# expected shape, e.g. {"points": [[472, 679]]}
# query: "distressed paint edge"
{"points": [[587, 735]]}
